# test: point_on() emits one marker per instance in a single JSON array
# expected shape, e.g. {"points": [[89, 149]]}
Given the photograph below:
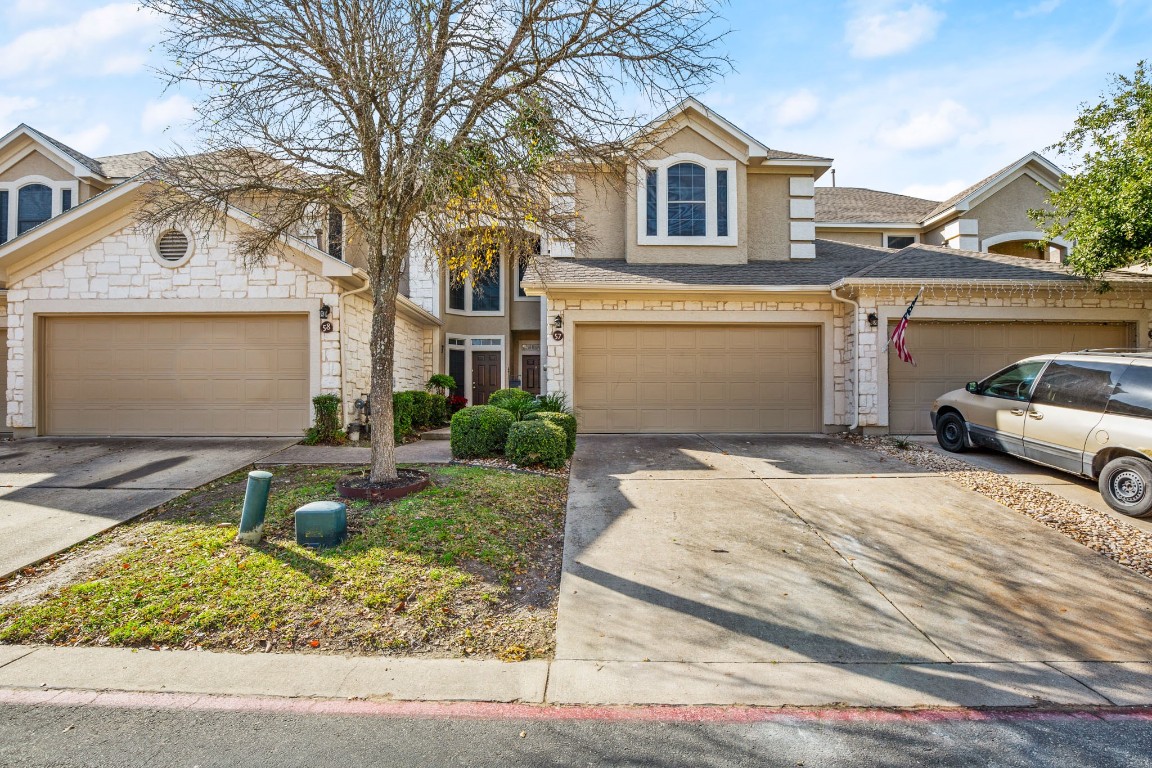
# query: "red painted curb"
{"points": [[538, 712]]}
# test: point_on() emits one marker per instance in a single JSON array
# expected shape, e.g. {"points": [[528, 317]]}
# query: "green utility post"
{"points": [[255, 505]]}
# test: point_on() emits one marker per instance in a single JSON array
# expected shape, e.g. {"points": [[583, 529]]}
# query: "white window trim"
{"points": [[661, 167], [468, 311], [13, 189], [467, 349], [914, 235]]}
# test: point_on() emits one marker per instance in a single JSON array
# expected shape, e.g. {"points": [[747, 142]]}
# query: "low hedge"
{"points": [[516, 401], [402, 411], [437, 410], [565, 421], [539, 441], [421, 408], [480, 431]]}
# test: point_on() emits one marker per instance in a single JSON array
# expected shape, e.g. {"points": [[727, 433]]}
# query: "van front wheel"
{"points": [[951, 433], [1126, 485]]}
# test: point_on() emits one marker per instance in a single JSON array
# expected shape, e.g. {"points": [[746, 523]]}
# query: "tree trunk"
{"points": [[382, 348]]}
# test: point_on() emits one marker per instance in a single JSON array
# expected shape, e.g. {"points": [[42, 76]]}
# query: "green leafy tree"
{"points": [[1105, 206]]}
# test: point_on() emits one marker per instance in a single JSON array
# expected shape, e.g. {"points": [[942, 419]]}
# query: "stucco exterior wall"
{"points": [[858, 237], [768, 216], [1007, 209], [118, 274], [601, 202], [36, 164]]}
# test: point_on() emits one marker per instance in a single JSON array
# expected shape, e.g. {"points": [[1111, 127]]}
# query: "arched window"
{"points": [[33, 207], [687, 201]]}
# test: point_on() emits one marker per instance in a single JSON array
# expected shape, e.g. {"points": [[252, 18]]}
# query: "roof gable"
{"points": [[1039, 168], [78, 164]]}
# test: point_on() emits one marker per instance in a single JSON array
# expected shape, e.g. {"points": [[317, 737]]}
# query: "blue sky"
{"points": [[915, 96]]}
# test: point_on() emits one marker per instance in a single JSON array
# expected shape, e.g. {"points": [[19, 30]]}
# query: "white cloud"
{"points": [[941, 191], [927, 130], [1043, 8], [89, 141], [173, 112], [882, 30], [111, 39], [798, 108], [12, 106]]}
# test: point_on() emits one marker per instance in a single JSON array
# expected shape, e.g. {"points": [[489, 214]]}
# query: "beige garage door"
{"points": [[698, 378], [948, 355], [175, 375]]}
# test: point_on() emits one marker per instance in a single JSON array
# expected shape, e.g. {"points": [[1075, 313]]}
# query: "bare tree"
{"points": [[443, 122]]}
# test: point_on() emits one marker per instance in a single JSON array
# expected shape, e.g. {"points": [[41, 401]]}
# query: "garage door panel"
{"points": [[175, 375], [950, 354], [740, 378]]}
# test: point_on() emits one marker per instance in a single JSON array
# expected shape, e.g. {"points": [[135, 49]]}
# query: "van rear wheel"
{"points": [[951, 433], [1126, 485]]}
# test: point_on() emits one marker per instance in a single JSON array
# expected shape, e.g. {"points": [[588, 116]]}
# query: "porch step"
{"points": [[444, 433]]}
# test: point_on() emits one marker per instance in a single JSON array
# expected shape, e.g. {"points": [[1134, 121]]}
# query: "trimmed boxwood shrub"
{"points": [[480, 431], [539, 441], [326, 430], [402, 408], [437, 410], [565, 421], [516, 401], [421, 408]]}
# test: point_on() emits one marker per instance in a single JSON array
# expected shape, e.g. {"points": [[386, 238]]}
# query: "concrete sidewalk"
{"points": [[434, 451], [576, 682]]}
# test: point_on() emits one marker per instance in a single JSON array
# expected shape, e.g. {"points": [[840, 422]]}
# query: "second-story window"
{"points": [[33, 207], [335, 234], [3, 216], [479, 293], [687, 200]]}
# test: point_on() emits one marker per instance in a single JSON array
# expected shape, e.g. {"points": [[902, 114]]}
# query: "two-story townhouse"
{"points": [[710, 300], [116, 330]]}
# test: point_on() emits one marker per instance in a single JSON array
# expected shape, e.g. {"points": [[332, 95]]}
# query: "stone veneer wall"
{"points": [[120, 266], [663, 309]]}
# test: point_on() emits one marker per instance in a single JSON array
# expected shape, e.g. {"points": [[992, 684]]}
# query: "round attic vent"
{"points": [[172, 246]]}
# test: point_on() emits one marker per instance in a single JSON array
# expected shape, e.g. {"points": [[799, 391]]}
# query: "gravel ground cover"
{"points": [[467, 567], [1124, 543]]}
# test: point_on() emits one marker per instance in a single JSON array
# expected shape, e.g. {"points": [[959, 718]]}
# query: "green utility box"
{"points": [[321, 524]]}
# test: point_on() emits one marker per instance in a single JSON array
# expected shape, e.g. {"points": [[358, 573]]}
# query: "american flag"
{"points": [[897, 339]]}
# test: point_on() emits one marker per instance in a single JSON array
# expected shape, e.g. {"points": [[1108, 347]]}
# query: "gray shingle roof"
{"points": [[126, 165], [932, 262], [780, 154], [834, 262], [858, 204]]}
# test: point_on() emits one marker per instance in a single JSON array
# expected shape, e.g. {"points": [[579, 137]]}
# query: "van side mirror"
{"points": [[973, 387]]}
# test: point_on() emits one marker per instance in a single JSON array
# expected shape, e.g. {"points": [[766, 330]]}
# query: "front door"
{"points": [[485, 376], [532, 374]]}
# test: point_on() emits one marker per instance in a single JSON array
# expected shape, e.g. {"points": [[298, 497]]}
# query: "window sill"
{"points": [[719, 242], [466, 313]]}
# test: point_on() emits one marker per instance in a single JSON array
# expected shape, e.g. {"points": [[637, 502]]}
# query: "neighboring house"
{"points": [[715, 298], [991, 215], [114, 331]]}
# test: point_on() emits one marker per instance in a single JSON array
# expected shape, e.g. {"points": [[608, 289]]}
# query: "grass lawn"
{"points": [[469, 566]]}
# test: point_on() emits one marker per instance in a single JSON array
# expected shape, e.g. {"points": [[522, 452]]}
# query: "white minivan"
{"points": [[1089, 413]]}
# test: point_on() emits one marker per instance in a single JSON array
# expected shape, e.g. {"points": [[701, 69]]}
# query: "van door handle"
{"points": [[1017, 411], [1035, 415]]}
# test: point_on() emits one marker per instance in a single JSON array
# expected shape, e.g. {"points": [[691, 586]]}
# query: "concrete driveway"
{"points": [[57, 492], [719, 567]]}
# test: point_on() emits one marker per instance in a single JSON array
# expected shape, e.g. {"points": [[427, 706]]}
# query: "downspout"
{"points": [[855, 357], [344, 346]]}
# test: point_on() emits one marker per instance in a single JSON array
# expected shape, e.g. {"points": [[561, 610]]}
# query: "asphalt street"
{"points": [[110, 737]]}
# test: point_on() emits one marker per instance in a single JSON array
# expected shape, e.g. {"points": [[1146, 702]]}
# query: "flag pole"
{"points": [[889, 342]]}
